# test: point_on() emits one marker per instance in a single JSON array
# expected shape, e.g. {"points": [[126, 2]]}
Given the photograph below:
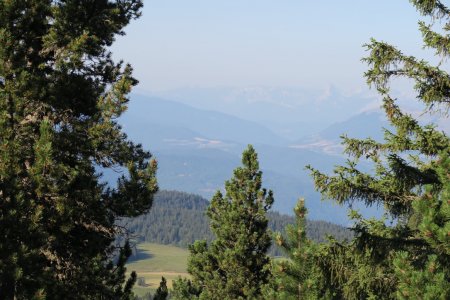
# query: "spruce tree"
{"points": [[409, 259], [60, 97], [235, 264], [298, 275], [162, 292]]}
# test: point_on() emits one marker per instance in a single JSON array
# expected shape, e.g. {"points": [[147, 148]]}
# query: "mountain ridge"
{"points": [[199, 161]]}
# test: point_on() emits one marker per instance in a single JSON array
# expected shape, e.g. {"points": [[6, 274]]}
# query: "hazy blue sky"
{"points": [[307, 43]]}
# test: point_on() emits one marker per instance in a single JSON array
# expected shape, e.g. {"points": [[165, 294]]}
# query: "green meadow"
{"points": [[154, 261]]}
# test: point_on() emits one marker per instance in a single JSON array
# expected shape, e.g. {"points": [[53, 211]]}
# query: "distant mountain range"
{"points": [[198, 149], [361, 126], [176, 123], [290, 112]]}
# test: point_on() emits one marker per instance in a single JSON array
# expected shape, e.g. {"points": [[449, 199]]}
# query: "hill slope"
{"points": [[178, 218], [146, 111]]}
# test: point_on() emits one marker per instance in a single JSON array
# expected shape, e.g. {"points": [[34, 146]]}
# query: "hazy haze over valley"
{"points": [[215, 77], [197, 149]]}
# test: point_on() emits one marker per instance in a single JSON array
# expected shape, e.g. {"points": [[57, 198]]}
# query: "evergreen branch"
{"points": [[432, 83], [434, 40], [433, 8]]}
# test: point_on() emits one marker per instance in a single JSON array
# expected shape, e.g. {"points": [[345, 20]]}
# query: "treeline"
{"points": [[178, 218]]}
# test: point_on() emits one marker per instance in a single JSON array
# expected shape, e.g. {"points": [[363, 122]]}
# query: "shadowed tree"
{"points": [[162, 292], [60, 97]]}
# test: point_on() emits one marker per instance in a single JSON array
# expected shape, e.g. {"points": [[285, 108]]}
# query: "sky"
{"points": [[274, 43]]}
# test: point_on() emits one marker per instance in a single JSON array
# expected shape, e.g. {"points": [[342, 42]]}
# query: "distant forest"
{"points": [[178, 218]]}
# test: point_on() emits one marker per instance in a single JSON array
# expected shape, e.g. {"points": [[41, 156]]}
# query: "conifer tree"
{"points": [[298, 275], [185, 289], [161, 292], [411, 258], [60, 97], [235, 264]]}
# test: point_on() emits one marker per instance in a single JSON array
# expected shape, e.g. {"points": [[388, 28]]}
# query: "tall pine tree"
{"points": [[410, 179], [60, 97], [235, 264]]}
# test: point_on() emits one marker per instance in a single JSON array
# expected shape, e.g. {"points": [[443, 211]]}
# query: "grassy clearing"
{"points": [[154, 261]]}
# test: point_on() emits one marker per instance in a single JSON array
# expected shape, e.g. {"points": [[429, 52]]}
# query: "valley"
{"points": [[197, 150], [153, 261]]}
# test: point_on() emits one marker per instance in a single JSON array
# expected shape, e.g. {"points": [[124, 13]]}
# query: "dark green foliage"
{"points": [[411, 180], [184, 289], [179, 218], [161, 292], [235, 264], [60, 97], [176, 218], [317, 231], [299, 276]]}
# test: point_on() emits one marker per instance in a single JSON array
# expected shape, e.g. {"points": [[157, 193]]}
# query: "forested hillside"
{"points": [[179, 218]]}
